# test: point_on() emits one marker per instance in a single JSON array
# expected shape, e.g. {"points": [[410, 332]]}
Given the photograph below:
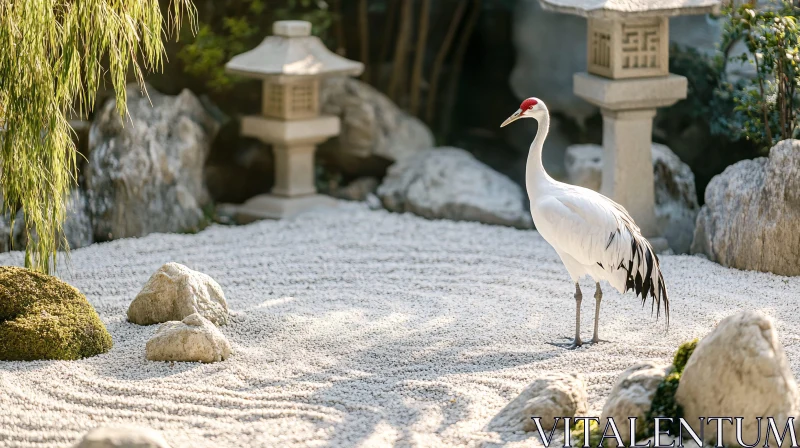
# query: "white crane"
{"points": [[592, 234]]}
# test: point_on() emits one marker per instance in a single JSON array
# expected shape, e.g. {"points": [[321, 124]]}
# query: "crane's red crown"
{"points": [[527, 104]]}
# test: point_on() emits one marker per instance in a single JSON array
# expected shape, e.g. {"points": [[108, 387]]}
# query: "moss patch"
{"points": [[682, 355], [595, 434], [664, 404], [41, 317]]}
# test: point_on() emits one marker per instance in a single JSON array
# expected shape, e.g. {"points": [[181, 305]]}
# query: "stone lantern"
{"points": [[628, 78], [291, 63]]}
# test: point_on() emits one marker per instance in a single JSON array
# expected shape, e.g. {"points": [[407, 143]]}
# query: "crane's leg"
{"points": [[578, 298], [598, 296]]}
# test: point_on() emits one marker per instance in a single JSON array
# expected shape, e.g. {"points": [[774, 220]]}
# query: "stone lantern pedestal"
{"points": [[628, 107], [628, 79], [293, 145], [290, 63]]}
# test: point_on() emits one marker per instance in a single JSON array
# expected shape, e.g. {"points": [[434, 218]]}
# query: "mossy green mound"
{"points": [[41, 317]]}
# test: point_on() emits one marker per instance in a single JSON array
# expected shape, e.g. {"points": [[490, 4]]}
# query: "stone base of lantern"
{"points": [[628, 107], [270, 206], [293, 145]]}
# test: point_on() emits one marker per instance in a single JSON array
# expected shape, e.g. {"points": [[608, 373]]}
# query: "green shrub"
{"points": [[768, 105], [701, 129], [41, 317], [235, 26]]}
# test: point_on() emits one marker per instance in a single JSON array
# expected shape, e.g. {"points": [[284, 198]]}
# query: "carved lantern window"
{"points": [[631, 49]]}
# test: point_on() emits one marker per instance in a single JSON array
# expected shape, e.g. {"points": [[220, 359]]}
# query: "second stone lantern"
{"points": [[291, 63], [628, 78]]}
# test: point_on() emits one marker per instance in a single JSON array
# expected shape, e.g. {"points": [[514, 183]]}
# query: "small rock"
{"points": [[632, 396], [174, 292], [122, 437], [373, 202], [357, 190], [194, 339], [751, 217], [449, 183], [676, 204], [553, 395], [741, 370]]}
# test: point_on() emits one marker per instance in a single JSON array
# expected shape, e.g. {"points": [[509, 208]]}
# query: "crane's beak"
{"points": [[515, 116]]}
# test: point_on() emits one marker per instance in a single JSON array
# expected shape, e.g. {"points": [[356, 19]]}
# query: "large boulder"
{"points": [[122, 436], [194, 339], [449, 183], [146, 175], [550, 396], [675, 193], [373, 127], [751, 217], [175, 292], [77, 227], [632, 396], [41, 317], [741, 370]]}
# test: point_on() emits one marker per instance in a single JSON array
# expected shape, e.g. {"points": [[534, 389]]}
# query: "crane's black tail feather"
{"points": [[651, 284]]}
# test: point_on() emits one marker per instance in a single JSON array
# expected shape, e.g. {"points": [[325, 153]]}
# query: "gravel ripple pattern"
{"points": [[359, 328]]}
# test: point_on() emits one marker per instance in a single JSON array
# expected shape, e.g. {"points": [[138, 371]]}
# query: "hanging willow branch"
{"points": [[51, 66]]}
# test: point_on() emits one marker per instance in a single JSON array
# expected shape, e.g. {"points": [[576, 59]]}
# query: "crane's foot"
{"points": [[572, 345]]}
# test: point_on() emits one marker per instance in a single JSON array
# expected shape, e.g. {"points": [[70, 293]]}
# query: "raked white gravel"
{"points": [[362, 328]]}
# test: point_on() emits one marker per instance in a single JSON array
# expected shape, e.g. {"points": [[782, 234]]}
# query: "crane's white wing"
{"points": [[596, 231]]}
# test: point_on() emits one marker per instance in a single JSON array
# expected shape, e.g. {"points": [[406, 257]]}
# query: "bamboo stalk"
{"points": [[388, 28], [400, 50], [440, 58], [458, 60], [341, 47], [363, 29], [419, 57]]}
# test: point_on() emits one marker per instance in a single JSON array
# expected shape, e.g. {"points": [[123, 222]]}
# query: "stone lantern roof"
{"points": [[290, 53], [622, 9]]}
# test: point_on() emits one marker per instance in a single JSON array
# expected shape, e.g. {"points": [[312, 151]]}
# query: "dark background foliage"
{"points": [[458, 85]]}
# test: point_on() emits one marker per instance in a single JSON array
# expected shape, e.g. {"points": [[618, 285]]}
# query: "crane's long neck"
{"points": [[535, 175]]}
